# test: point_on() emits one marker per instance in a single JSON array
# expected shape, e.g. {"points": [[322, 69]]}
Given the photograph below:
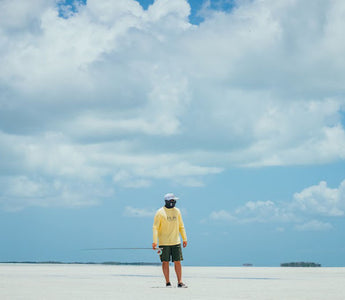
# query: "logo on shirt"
{"points": [[171, 219]]}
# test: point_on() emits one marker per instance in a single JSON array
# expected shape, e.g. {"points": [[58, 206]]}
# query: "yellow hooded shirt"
{"points": [[167, 226]]}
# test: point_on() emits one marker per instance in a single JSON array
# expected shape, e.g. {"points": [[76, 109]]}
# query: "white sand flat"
{"points": [[40, 281]]}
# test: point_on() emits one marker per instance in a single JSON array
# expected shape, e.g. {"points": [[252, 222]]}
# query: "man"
{"points": [[167, 226]]}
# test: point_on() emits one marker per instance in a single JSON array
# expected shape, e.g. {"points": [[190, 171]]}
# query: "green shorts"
{"points": [[174, 252]]}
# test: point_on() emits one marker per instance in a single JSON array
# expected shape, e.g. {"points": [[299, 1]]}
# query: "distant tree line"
{"points": [[300, 264]]}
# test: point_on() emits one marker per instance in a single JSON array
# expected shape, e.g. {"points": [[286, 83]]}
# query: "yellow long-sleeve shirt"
{"points": [[167, 225]]}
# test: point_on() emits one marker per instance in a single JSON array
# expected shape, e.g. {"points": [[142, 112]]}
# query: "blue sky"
{"points": [[235, 106]]}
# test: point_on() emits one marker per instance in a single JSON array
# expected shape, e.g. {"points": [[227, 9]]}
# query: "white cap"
{"points": [[170, 196]]}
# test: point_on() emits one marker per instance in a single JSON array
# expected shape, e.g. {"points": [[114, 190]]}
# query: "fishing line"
{"points": [[158, 250]]}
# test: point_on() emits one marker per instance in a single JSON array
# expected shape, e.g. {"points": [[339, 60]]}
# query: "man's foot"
{"points": [[181, 285], [168, 284]]}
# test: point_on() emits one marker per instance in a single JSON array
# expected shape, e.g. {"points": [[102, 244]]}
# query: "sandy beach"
{"points": [[65, 281]]}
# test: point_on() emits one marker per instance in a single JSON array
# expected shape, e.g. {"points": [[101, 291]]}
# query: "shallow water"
{"points": [[39, 281]]}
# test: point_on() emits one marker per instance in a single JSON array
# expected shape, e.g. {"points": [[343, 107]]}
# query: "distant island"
{"points": [[300, 264], [247, 265], [83, 263]]}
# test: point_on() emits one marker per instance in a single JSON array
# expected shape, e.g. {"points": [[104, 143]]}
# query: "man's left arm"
{"points": [[182, 230]]}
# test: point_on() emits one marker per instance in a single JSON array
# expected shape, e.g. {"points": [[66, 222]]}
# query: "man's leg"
{"points": [[165, 268], [178, 270]]}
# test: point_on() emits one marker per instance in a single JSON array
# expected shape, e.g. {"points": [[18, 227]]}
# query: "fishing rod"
{"points": [[158, 250]]}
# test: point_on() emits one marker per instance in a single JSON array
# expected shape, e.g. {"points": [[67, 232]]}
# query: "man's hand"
{"points": [[154, 245], [184, 244]]}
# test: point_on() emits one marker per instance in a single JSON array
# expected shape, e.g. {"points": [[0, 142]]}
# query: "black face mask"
{"points": [[170, 203]]}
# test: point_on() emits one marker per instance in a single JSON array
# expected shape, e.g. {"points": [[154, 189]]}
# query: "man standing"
{"points": [[167, 226]]}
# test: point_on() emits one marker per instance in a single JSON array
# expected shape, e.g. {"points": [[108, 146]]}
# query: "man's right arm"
{"points": [[155, 230]]}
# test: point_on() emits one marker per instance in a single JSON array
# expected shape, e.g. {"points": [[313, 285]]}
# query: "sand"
{"points": [[44, 281]]}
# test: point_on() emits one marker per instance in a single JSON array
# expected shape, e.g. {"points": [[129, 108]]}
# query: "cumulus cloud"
{"points": [[318, 201], [221, 215], [18, 192], [111, 92], [138, 212], [18, 15], [321, 200], [257, 212], [314, 225]]}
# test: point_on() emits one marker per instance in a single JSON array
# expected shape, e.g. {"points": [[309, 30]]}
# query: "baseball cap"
{"points": [[170, 196]]}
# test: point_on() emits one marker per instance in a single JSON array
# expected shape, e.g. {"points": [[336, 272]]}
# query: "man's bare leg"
{"points": [[178, 270], [165, 268]]}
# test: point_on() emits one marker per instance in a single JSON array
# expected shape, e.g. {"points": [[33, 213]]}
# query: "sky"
{"points": [[237, 107]]}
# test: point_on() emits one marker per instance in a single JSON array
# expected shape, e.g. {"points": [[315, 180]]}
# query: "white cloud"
{"points": [[262, 211], [127, 180], [221, 215], [116, 89], [314, 225], [312, 202], [259, 211], [138, 212], [321, 200], [21, 191], [22, 15]]}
